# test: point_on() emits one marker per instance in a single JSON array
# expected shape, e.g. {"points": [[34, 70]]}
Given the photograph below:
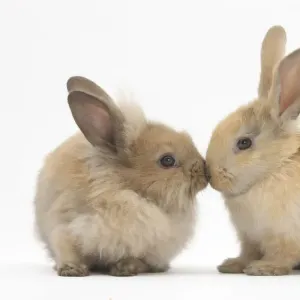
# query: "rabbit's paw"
{"points": [[159, 269], [128, 267], [232, 265], [72, 270], [265, 268]]}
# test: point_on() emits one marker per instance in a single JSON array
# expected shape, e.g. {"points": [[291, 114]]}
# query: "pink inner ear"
{"points": [[92, 117], [289, 72], [101, 121]]}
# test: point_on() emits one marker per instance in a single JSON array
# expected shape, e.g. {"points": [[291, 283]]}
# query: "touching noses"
{"points": [[200, 168], [206, 172]]}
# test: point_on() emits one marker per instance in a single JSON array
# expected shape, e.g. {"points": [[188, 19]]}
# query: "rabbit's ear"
{"points": [[285, 91], [97, 117], [92, 117], [272, 51], [80, 83]]}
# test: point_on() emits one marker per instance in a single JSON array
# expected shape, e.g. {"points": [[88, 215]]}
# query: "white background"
{"points": [[189, 62]]}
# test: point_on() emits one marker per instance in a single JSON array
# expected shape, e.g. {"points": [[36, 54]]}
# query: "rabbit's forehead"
{"points": [[247, 120], [158, 139], [228, 128]]}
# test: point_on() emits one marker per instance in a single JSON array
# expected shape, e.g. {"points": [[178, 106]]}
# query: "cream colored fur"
{"points": [[96, 208], [261, 185]]}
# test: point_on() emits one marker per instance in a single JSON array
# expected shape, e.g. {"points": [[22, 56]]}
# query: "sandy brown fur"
{"points": [[261, 184], [106, 202]]}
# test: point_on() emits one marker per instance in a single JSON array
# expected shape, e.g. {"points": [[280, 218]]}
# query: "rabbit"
{"points": [[253, 159], [120, 194]]}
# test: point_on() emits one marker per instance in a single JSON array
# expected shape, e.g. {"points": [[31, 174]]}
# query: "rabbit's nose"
{"points": [[197, 168], [207, 172]]}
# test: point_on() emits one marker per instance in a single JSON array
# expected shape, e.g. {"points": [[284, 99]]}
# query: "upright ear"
{"points": [[97, 116], [285, 91], [272, 51], [79, 83]]}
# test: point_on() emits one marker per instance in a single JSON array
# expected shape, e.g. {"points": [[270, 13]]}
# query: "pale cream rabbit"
{"points": [[120, 195], [254, 161]]}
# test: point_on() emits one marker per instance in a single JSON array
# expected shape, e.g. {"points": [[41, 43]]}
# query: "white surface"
{"points": [[37, 282], [190, 62]]}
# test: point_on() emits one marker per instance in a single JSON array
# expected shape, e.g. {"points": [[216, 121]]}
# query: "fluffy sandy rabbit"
{"points": [[120, 194], [254, 161]]}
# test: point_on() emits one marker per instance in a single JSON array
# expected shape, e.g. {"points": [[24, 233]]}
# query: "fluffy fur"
{"points": [[103, 201], [261, 185]]}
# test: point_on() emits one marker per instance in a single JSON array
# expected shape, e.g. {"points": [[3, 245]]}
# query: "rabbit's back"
{"points": [[62, 183]]}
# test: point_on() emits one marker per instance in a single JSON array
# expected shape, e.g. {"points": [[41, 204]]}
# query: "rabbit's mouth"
{"points": [[233, 194], [231, 185], [220, 179], [197, 186], [199, 177]]}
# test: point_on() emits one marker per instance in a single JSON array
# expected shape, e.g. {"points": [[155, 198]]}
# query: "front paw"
{"points": [[264, 268], [128, 267], [159, 269], [72, 270], [232, 265]]}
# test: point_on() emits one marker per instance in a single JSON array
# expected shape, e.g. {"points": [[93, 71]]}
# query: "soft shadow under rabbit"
{"points": [[120, 195]]}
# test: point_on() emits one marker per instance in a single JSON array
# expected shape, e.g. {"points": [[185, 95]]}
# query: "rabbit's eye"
{"points": [[167, 161], [244, 143]]}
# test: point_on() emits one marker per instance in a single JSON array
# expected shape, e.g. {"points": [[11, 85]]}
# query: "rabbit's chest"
{"points": [[261, 214], [248, 220], [181, 233], [182, 228]]}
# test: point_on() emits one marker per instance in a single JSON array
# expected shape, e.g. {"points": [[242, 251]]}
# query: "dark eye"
{"points": [[244, 143], [167, 161]]}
